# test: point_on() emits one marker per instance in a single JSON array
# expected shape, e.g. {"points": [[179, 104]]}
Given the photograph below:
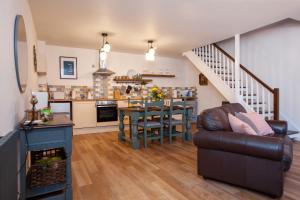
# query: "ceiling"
{"points": [[175, 25]]}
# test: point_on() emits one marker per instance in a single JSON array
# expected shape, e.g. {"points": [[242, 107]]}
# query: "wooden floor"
{"points": [[103, 169]]}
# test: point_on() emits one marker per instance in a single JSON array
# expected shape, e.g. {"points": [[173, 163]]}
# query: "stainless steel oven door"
{"points": [[107, 113]]}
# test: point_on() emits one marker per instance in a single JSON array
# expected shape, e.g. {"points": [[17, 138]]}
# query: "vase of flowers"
{"points": [[156, 93]]}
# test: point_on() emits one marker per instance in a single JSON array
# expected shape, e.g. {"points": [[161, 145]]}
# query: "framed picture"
{"points": [[34, 58], [68, 67], [202, 79]]}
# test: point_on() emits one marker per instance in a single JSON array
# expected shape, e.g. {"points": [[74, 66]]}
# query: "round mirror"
{"points": [[21, 53]]}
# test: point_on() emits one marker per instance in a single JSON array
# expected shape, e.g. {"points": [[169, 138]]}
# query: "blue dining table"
{"points": [[135, 113]]}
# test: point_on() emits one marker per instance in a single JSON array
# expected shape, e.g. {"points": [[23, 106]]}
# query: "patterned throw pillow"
{"points": [[256, 121], [238, 126]]}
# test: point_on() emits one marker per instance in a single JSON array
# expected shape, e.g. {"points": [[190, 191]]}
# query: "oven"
{"points": [[107, 111]]}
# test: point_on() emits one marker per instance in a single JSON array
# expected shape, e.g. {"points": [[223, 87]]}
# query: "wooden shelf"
{"points": [[139, 81], [159, 75]]}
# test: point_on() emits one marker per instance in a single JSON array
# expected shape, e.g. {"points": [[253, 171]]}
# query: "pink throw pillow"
{"points": [[257, 122], [238, 126]]}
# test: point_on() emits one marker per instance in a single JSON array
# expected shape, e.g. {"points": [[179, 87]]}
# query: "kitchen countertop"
{"points": [[107, 99]]}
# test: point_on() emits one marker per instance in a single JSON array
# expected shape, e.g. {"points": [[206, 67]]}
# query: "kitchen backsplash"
{"points": [[96, 92], [101, 86]]}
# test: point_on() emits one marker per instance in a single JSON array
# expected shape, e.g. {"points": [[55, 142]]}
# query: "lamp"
{"points": [[103, 54], [105, 45], [150, 55]]}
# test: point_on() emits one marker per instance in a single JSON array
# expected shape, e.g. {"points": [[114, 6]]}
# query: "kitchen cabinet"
{"points": [[84, 114]]}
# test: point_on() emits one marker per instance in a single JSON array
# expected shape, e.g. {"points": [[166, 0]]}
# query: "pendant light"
{"points": [[103, 54], [105, 48], [150, 55], [105, 45]]}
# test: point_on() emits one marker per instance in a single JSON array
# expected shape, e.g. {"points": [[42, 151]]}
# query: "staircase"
{"points": [[236, 84]]}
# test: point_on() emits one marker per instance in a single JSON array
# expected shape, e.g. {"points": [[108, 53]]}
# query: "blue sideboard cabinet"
{"points": [[56, 133]]}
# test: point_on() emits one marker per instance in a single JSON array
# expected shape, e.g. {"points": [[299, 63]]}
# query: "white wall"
{"points": [[13, 103], [120, 63], [273, 53], [208, 96]]}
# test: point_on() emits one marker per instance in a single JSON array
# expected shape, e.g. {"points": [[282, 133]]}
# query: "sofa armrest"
{"points": [[278, 126], [199, 123], [251, 145]]}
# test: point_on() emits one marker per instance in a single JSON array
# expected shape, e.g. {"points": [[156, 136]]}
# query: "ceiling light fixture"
{"points": [[103, 54], [150, 55], [105, 45]]}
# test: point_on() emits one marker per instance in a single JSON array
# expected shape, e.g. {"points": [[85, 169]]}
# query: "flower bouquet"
{"points": [[156, 93]]}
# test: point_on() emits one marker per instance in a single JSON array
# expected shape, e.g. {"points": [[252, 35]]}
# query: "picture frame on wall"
{"points": [[68, 67], [34, 58], [202, 79]]}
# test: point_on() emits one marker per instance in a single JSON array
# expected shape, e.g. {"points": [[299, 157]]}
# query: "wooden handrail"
{"points": [[274, 91], [245, 69]]}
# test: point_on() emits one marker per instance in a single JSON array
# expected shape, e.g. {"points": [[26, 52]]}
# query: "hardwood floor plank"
{"points": [[104, 168], [82, 177]]}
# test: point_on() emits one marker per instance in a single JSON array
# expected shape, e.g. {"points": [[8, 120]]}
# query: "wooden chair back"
{"points": [[134, 102], [177, 107], [154, 108]]}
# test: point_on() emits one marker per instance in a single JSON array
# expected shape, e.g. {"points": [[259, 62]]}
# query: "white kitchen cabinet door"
{"points": [[84, 114]]}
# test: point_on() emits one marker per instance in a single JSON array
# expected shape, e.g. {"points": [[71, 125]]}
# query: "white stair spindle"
{"points": [[227, 72], [252, 91], [241, 83], [208, 56], [263, 102], [224, 69], [257, 97], [216, 61], [232, 73], [247, 89], [213, 57], [269, 105], [204, 54], [201, 52], [219, 64]]}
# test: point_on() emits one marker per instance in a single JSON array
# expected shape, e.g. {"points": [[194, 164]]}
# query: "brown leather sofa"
{"points": [[253, 162]]}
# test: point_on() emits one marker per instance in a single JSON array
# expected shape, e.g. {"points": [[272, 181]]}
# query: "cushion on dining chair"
{"points": [[174, 121], [149, 124]]}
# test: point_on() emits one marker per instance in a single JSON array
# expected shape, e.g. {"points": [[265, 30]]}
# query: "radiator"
{"points": [[9, 166]]}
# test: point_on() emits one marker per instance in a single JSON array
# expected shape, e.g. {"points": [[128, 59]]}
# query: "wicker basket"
{"points": [[47, 174]]}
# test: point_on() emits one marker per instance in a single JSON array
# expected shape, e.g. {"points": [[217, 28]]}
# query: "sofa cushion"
{"points": [[215, 119], [256, 121], [233, 108], [238, 126]]}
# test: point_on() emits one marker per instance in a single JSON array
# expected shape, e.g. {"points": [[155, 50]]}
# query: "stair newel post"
{"points": [[237, 66], [276, 103]]}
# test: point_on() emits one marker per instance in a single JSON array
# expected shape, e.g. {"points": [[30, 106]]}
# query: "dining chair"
{"points": [[152, 108], [135, 103], [176, 108]]}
